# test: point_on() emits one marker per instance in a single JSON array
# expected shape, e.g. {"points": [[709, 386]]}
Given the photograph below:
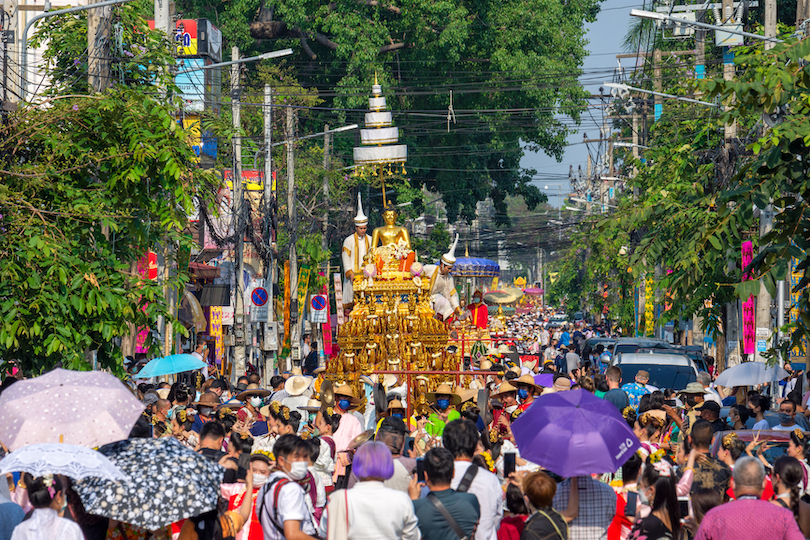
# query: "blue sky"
{"points": [[605, 36]]}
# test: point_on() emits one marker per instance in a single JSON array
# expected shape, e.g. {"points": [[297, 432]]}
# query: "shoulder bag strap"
{"points": [[434, 500], [548, 517], [466, 481], [279, 483]]}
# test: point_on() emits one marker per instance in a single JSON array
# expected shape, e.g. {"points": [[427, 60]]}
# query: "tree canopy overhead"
{"points": [[512, 68]]}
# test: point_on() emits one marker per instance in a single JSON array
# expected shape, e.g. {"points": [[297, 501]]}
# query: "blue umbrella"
{"points": [[574, 433], [475, 267], [169, 365]]}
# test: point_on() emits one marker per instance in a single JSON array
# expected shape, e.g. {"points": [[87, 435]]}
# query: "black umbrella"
{"points": [[166, 482]]}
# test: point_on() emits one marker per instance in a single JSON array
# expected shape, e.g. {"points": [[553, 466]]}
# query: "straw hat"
{"points": [[504, 388], [344, 390], [528, 380], [466, 394], [297, 385], [318, 370], [530, 364], [389, 379], [296, 371], [208, 399], [485, 365], [562, 384], [163, 393], [693, 388], [252, 390], [395, 404], [444, 388], [313, 405]]}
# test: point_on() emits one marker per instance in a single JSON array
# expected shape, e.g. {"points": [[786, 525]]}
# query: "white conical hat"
{"points": [[450, 256], [360, 218]]}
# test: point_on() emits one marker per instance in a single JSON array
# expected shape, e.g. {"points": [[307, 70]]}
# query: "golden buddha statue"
{"points": [[390, 233]]}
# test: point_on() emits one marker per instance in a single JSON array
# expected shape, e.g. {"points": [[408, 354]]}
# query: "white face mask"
{"points": [[255, 401], [298, 470], [642, 497], [259, 480]]}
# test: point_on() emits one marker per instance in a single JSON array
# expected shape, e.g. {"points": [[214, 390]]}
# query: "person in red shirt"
{"points": [[252, 398], [526, 390], [260, 465], [512, 523], [478, 311]]}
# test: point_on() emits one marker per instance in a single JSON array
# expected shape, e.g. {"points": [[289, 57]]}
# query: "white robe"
{"points": [[443, 291], [354, 249]]}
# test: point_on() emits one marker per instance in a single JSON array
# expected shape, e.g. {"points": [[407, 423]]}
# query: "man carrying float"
{"points": [[355, 247]]}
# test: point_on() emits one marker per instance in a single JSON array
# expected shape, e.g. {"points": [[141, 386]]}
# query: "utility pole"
{"points": [[269, 184], [700, 50], [589, 184], [293, 227], [802, 14], [770, 22], [763, 313], [327, 139], [98, 48], [269, 232], [163, 18], [728, 73], [658, 101], [239, 311]]}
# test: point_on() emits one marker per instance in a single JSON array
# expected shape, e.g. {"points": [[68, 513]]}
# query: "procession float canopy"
{"points": [[391, 326]]}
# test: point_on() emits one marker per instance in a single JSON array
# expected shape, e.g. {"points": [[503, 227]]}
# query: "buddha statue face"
{"points": [[390, 216]]}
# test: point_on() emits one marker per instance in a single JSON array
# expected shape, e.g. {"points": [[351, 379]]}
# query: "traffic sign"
{"points": [[259, 296], [318, 306]]}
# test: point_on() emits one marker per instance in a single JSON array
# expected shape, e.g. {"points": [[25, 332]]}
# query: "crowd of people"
{"points": [[300, 464]]}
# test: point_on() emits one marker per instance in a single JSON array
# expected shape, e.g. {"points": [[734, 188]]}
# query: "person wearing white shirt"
{"points": [[281, 503], [46, 495], [461, 438], [709, 393], [369, 510]]}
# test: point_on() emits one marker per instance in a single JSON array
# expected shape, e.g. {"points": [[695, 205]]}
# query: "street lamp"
{"points": [[583, 201], [662, 17], [621, 86], [559, 208], [337, 130], [265, 56]]}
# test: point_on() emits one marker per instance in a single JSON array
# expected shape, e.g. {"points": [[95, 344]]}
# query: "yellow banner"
{"points": [[649, 309], [303, 285], [285, 347]]}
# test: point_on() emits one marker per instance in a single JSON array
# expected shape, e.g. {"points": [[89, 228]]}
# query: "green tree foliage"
{"points": [[88, 186], [512, 66], [138, 56], [777, 80]]}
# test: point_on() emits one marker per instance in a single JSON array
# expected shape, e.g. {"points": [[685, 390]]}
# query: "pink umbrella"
{"points": [[85, 408]]}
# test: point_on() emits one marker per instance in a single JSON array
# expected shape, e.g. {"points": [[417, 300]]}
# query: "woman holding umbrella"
{"points": [[657, 489], [46, 495]]}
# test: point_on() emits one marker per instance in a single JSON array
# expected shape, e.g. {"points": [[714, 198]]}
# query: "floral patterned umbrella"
{"points": [[166, 482], [85, 408]]}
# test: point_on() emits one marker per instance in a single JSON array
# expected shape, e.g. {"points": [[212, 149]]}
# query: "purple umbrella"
{"points": [[574, 433], [544, 379]]}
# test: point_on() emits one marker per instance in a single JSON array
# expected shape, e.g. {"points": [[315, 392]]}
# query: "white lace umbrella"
{"points": [[76, 462]]}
